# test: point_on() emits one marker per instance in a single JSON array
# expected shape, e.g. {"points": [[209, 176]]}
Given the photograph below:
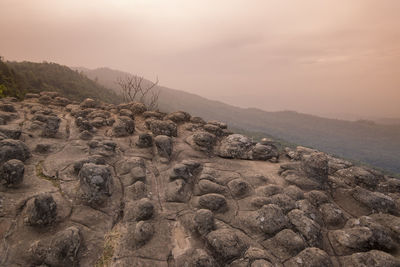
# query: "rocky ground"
{"points": [[92, 184]]}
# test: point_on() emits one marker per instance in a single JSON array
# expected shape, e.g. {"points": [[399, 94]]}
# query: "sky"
{"points": [[336, 58]]}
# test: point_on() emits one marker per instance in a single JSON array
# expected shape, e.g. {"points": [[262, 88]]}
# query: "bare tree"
{"points": [[136, 89]]}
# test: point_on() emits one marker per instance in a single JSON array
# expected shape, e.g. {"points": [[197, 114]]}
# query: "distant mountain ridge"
{"points": [[378, 145]]}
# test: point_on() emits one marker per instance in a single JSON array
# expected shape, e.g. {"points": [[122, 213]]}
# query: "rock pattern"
{"points": [[94, 184]]}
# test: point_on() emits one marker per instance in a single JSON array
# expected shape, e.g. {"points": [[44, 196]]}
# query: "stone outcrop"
{"points": [[95, 184]]}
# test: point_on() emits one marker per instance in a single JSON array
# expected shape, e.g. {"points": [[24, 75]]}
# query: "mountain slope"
{"points": [[19, 78], [378, 145]]}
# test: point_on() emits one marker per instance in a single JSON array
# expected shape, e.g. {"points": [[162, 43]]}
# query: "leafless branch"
{"points": [[134, 90]]}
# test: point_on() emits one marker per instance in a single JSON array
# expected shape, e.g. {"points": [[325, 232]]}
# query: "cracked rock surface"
{"points": [[94, 184]]}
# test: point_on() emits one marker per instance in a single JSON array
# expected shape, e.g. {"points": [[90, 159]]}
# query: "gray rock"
{"points": [[31, 95], [235, 146], [141, 210], [41, 210], [376, 201], [96, 159], [308, 228], [226, 244], [95, 182], [285, 244], [124, 126], [61, 250], [51, 127], [185, 170], [45, 100], [239, 188], [332, 215], [12, 172], [315, 166], [50, 94], [11, 132], [270, 219], [13, 149], [144, 231], [98, 122], [200, 258], [261, 263], [373, 258], [283, 201], [61, 101], [310, 257], [43, 148], [137, 108], [177, 191], [316, 197], [213, 202], [178, 117], [164, 145], [220, 124], [158, 127], [203, 141], [213, 129], [359, 176], [269, 190], [381, 235], [88, 103], [145, 140], [207, 186], [7, 107], [264, 152], [197, 120], [204, 221], [85, 135], [294, 192], [153, 115], [126, 113]]}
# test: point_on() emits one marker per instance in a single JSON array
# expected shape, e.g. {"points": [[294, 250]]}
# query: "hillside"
{"points": [[19, 78], [96, 184], [374, 144]]}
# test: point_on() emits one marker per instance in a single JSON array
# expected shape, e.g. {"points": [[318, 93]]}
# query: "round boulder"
{"points": [[12, 172], [213, 202], [226, 244], [145, 140], [95, 182], [204, 221], [164, 145], [13, 149], [42, 210]]}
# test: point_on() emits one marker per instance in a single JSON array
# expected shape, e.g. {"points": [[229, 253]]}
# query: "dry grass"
{"points": [[110, 242], [41, 175]]}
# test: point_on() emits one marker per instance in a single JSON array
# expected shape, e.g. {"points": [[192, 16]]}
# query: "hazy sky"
{"points": [[321, 57]]}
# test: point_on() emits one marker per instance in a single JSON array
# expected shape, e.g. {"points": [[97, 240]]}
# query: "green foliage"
{"points": [[19, 78], [9, 82]]}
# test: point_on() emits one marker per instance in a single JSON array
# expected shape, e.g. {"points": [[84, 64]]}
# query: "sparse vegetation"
{"points": [[41, 175], [110, 242], [136, 89]]}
